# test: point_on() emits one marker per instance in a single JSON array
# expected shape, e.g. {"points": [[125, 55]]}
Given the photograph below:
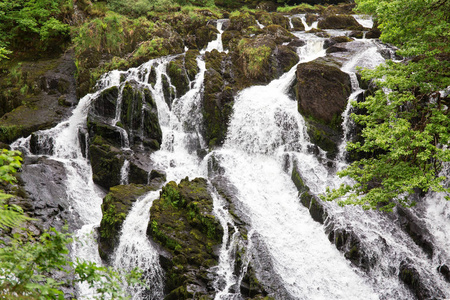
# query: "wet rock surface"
{"points": [[137, 127], [116, 205], [44, 194], [182, 222], [47, 99]]}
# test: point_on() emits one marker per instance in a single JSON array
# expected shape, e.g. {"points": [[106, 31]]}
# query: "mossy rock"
{"points": [[322, 91], [339, 22], [255, 57], [116, 205], [241, 21], [279, 33], [204, 35], [264, 18], [106, 163], [190, 63], [280, 19], [132, 103], [182, 222], [327, 137], [178, 75], [139, 117], [231, 38], [286, 58], [297, 24], [218, 99], [109, 133]]}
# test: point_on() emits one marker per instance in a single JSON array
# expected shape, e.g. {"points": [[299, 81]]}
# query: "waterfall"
{"points": [[217, 43], [135, 250], [84, 197], [307, 27], [266, 137], [368, 57], [265, 125]]}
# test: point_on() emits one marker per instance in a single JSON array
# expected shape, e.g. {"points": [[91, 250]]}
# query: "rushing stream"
{"points": [[266, 137]]}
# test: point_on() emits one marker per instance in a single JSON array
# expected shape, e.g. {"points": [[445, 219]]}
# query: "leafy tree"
{"points": [[406, 125], [32, 23], [28, 263]]}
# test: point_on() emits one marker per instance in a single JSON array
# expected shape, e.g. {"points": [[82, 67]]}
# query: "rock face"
{"points": [[339, 22], [137, 127], [44, 193], [116, 205], [181, 221], [39, 97], [322, 90]]}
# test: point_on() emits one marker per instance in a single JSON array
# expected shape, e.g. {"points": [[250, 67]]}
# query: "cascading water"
{"points": [[264, 130], [367, 57], [217, 43], [83, 196]]}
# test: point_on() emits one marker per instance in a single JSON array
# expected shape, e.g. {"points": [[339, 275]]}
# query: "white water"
{"points": [[217, 43], [265, 124], [264, 129], [364, 20], [303, 18], [135, 250], [367, 57]]}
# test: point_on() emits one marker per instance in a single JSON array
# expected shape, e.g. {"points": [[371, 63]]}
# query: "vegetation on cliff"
{"points": [[406, 120], [40, 267]]}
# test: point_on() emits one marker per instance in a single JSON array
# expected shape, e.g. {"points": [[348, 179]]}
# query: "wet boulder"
{"points": [[339, 22], [416, 229], [315, 206], [43, 194], [116, 205], [416, 282], [106, 162], [336, 40], [241, 21], [204, 35], [322, 90], [348, 242], [183, 224], [297, 24], [218, 97]]}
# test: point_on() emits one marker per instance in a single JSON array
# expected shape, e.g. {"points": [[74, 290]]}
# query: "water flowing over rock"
{"points": [[255, 111], [181, 221]]}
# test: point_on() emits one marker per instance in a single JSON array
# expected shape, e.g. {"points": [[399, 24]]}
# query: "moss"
{"points": [[178, 75], [256, 58], [115, 207], [9, 133], [181, 221]]}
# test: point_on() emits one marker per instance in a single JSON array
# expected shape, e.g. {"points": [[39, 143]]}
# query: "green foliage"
{"points": [[4, 53], [10, 215], [417, 26], [405, 127], [26, 268], [32, 23], [140, 7], [28, 263]]}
